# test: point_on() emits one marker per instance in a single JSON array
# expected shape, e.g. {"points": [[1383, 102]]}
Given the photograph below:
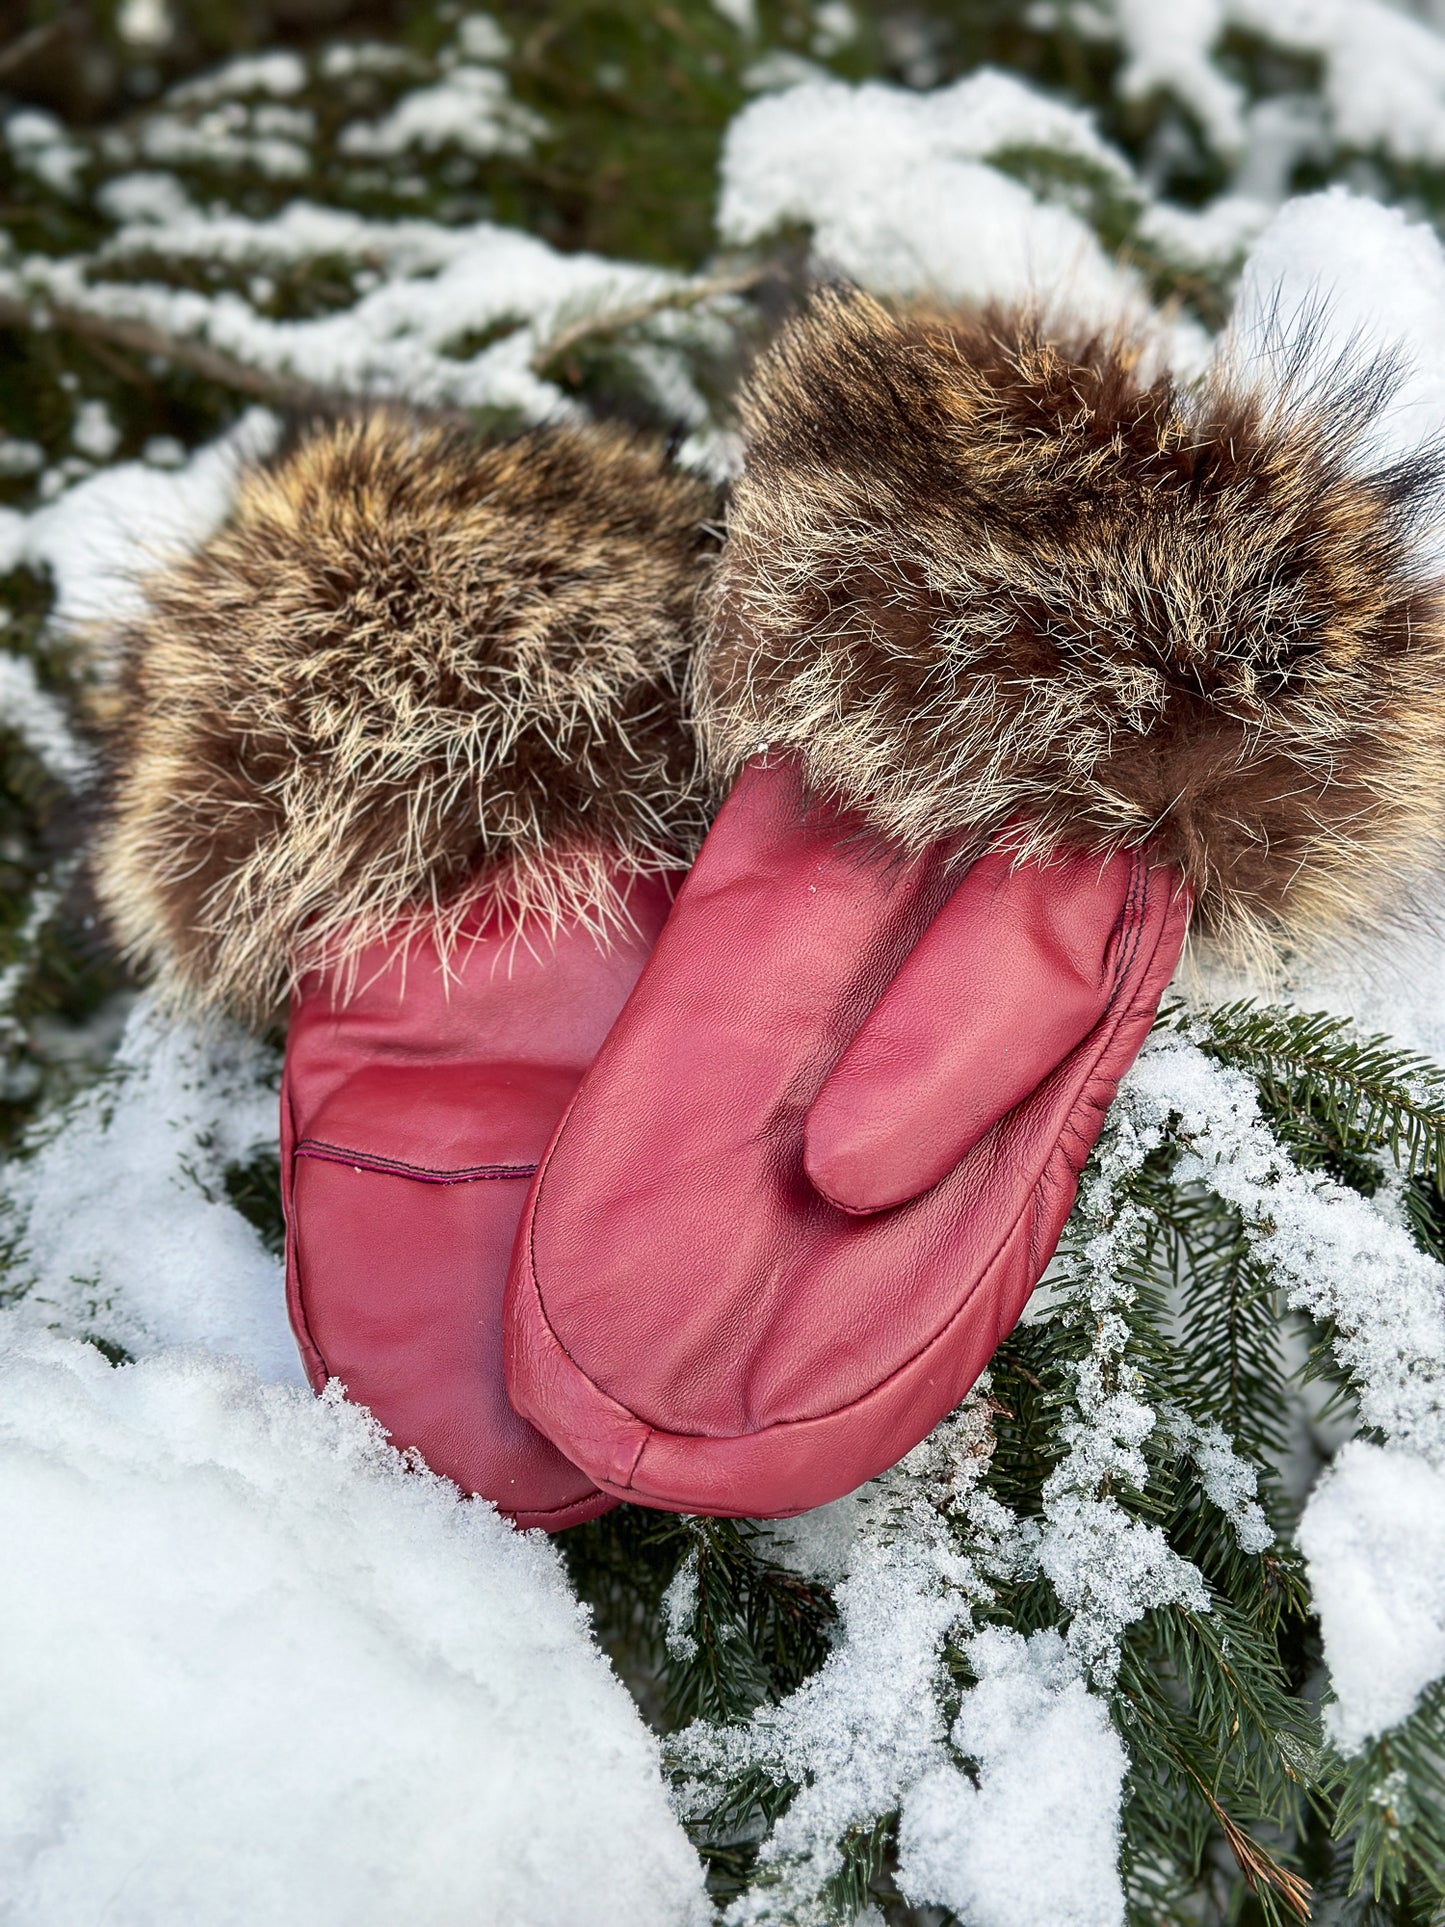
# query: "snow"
{"points": [[896, 189], [19, 457], [679, 1610], [1361, 282], [1373, 1530], [395, 339], [98, 539], [345, 58], [144, 23], [94, 433], [231, 135], [1229, 1482], [119, 1221], [147, 196], [259, 1670], [40, 143], [1212, 236], [1107, 1566], [1167, 50], [44, 901], [742, 14], [1383, 72], [867, 1726], [279, 72], [1373, 1535], [38, 718], [1037, 1839], [1340, 1256], [469, 108]]}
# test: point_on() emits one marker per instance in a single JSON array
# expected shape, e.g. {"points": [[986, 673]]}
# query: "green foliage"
{"points": [[740, 1627], [254, 1188], [1220, 1746], [1336, 1098], [1390, 1808]]}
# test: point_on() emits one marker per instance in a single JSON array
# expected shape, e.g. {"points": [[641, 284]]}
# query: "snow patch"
{"points": [[897, 192], [103, 535], [1373, 1534], [1352, 282], [1383, 72], [1037, 1839], [271, 1674], [867, 1726], [119, 1222], [396, 339], [39, 719], [470, 108]]}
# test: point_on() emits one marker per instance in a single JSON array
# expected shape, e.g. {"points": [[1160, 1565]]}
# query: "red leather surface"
{"points": [[413, 1114], [687, 1314], [966, 1030]]}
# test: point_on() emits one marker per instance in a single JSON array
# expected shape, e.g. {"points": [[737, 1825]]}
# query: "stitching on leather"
{"points": [[311, 1147], [546, 1511], [637, 1455], [296, 1301]]}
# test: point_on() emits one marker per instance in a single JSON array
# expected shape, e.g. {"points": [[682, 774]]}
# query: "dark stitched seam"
{"points": [[310, 1147], [548, 1511]]}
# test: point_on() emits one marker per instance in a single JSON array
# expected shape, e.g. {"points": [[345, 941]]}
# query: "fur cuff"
{"points": [[998, 586], [409, 659]]}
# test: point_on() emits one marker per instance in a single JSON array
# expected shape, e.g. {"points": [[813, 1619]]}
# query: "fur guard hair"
{"points": [[410, 660], [1002, 585]]}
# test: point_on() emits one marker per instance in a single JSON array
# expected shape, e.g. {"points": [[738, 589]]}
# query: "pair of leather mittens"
{"points": [[1014, 660]]}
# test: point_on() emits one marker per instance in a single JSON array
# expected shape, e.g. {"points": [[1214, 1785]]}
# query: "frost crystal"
{"points": [[679, 1610]]}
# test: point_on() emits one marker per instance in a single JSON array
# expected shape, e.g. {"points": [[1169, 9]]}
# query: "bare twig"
{"points": [[140, 338], [611, 321], [1258, 1866], [16, 53]]}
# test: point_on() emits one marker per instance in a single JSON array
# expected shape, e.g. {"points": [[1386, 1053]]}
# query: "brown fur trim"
{"points": [[1003, 587], [409, 658]]}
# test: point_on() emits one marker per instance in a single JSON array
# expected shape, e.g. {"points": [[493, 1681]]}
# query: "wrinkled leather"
{"points": [[690, 1316], [413, 1113]]}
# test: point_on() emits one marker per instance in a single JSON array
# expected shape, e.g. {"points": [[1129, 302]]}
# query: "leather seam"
{"points": [[293, 1250], [323, 1153], [543, 1511]]}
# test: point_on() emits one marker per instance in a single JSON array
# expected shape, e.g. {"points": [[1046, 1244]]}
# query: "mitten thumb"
{"points": [[1014, 972]]}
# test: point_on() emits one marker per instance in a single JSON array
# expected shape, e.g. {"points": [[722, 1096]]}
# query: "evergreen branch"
{"points": [[866, 1851], [141, 338], [26, 47], [1258, 1866], [694, 293], [1315, 1073], [755, 1629], [1392, 1804]]}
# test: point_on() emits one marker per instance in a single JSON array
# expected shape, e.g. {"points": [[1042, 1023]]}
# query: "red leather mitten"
{"points": [[404, 741], [1041, 657]]}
